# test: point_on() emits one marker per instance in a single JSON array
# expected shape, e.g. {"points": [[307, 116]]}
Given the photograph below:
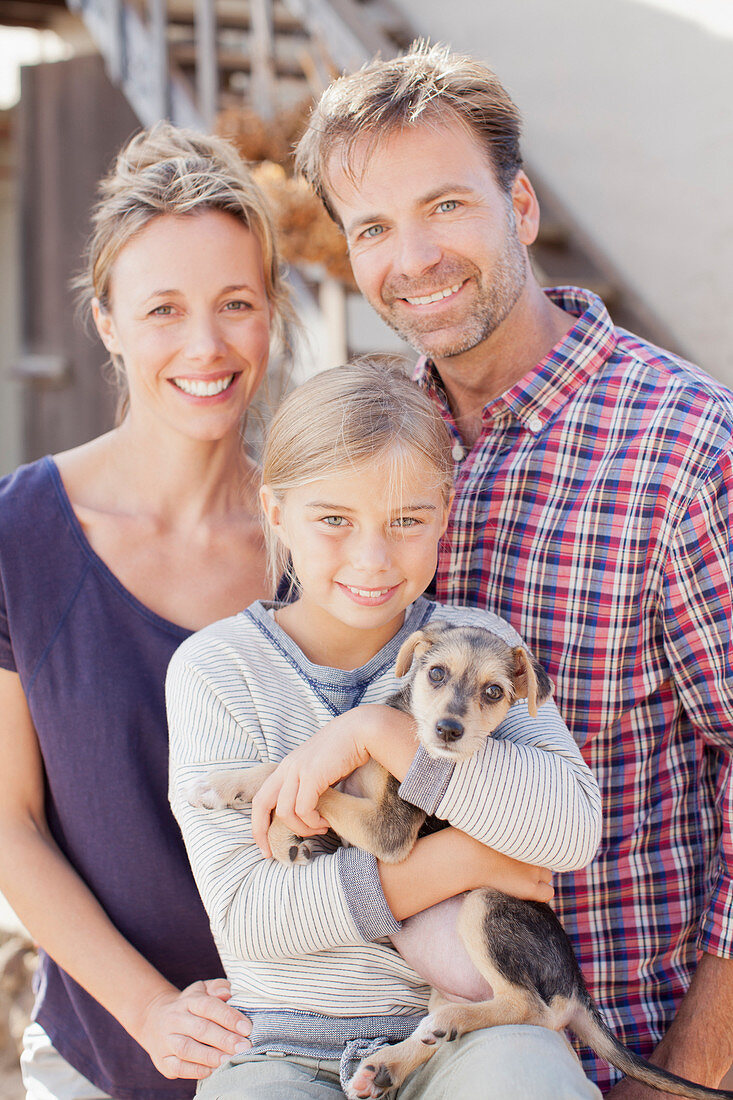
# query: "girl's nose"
{"points": [[371, 552]]}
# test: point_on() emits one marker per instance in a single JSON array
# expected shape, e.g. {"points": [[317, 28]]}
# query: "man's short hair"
{"points": [[426, 84]]}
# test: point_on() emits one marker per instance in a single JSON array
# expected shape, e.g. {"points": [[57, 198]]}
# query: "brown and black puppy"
{"points": [[464, 681]]}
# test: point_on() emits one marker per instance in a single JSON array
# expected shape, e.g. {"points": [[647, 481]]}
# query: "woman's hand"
{"points": [[189, 1033], [293, 789]]}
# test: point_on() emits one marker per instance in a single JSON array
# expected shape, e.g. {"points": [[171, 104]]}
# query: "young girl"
{"points": [[357, 486]]}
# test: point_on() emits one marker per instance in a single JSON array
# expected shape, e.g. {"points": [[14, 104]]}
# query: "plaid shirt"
{"points": [[594, 513]]}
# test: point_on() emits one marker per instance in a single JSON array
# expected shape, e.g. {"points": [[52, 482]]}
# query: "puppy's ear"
{"points": [[417, 644], [531, 682]]}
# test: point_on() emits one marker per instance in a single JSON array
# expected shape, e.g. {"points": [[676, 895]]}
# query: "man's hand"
{"points": [[699, 1042], [189, 1033]]}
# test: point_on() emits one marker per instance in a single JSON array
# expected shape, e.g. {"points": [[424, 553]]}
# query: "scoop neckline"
{"points": [[99, 563]]}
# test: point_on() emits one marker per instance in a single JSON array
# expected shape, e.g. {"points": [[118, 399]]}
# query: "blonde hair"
{"points": [[168, 170], [342, 418], [428, 83]]}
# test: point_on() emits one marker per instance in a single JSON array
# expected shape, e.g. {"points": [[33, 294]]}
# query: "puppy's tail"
{"points": [[587, 1023]]}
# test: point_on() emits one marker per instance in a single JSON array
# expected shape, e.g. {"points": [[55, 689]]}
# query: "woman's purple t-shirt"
{"points": [[92, 660]]}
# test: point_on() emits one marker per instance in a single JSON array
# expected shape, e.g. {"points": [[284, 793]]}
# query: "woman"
{"points": [[110, 555]]}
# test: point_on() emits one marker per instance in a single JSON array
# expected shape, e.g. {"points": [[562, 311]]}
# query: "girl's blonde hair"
{"points": [[168, 170], [343, 418]]}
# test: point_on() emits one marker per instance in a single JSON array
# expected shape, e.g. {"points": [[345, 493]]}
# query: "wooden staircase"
{"points": [[195, 60]]}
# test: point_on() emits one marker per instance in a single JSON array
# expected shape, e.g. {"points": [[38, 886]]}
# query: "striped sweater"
{"points": [[313, 939]]}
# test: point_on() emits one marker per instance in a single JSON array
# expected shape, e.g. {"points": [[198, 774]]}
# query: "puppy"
{"points": [[465, 680]]}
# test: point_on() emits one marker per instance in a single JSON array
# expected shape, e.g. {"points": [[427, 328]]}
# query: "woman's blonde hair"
{"points": [[343, 418], [168, 170]]}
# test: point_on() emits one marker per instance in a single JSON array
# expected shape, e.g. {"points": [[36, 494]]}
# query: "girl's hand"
{"points": [[447, 863], [511, 876], [293, 789], [189, 1033]]}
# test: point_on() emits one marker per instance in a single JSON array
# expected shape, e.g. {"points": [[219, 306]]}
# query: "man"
{"points": [[593, 478]]}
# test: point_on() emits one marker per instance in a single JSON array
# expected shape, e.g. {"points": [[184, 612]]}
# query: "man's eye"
{"points": [[493, 693], [373, 231], [447, 205], [436, 674]]}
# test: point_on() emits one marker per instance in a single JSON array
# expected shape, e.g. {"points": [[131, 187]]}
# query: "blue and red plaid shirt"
{"points": [[594, 513]]}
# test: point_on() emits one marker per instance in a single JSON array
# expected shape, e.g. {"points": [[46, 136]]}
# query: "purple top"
{"points": [[92, 660]]}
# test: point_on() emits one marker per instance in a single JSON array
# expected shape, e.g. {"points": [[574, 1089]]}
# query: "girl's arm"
{"points": [[186, 1034], [528, 793]]}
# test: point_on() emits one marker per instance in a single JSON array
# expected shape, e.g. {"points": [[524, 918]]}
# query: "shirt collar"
{"points": [[536, 397]]}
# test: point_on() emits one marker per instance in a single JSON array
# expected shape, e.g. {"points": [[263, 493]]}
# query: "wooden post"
{"points": [[207, 75], [157, 18], [262, 50]]}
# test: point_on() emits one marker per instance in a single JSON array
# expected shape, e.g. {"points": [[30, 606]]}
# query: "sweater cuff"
{"points": [[426, 781], [359, 877]]}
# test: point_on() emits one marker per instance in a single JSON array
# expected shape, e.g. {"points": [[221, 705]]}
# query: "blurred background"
{"points": [[628, 108]]}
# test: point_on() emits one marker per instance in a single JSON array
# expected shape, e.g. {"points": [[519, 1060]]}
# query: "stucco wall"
{"points": [[629, 117]]}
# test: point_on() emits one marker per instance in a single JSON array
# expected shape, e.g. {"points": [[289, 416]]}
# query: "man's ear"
{"points": [[105, 327], [526, 209]]}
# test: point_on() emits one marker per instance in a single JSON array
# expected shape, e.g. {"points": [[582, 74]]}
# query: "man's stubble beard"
{"points": [[491, 306]]}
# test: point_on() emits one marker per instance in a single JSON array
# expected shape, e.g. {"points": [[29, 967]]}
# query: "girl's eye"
{"points": [[335, 521], [493, 693], [405, 521], [436, 674], [447, 205]]}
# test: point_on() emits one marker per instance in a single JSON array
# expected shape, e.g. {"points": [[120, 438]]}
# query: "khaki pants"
{"points": [[48, 1076], [500, 1063]]}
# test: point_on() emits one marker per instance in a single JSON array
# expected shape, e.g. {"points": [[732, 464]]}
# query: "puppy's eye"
{"points": [[493, 692], [436, 674]]}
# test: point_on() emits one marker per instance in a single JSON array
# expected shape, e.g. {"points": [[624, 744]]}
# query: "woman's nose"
{"points": [[203, 340]]}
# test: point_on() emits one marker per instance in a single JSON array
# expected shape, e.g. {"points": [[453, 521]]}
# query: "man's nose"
{"points": [[418, 252]]}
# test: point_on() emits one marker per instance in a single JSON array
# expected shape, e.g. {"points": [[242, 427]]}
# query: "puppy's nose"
{"points": [[449, 730]]}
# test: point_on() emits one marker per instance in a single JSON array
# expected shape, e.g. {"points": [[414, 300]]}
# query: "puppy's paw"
{"points": [[437, 1029], [286, 847], [372, 1079], [204, 794], [292, 850]]}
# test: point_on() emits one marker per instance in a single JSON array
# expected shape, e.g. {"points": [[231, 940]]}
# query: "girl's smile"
{"points": [[364, 544]]}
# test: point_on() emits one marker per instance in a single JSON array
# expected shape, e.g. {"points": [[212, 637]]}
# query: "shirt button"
{"points": [[535, 424], [458, 452]]}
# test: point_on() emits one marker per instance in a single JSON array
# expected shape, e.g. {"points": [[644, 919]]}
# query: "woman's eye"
{"points": [[494, 692], [237, 307], [161, 311], [447, 205], [335, 521], [436, 674]]}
